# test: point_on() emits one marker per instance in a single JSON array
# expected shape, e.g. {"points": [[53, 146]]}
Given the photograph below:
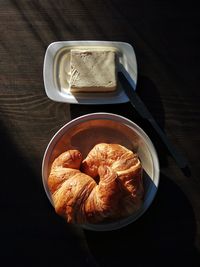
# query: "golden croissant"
{"points": [[105, 186]]}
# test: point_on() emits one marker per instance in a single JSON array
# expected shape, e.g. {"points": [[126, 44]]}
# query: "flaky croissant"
{"points": [[106, 185]]}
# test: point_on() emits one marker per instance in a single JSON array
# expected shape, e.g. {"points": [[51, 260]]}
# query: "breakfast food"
{"points": [[92, 71], [105, 186]]}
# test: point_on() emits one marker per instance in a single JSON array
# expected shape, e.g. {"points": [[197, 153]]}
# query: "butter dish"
{"points": [[56, 62]]}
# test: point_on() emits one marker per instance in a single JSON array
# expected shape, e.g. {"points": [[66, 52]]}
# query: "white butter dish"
{"points": [[56, 62]]}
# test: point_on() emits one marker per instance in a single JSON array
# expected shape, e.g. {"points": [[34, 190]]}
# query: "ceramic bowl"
{"points": [[86, 131]]}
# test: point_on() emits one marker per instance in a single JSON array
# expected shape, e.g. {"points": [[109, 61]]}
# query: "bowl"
{"points": [[86, 131]]}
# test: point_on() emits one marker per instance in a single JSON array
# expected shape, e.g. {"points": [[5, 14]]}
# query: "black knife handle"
{"points": [[139, 105]]}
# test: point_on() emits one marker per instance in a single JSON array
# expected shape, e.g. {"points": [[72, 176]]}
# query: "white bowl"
{"points": [[84, 132]]}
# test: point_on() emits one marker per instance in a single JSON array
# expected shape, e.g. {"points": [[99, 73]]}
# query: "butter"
{"points": [[92, 71]]}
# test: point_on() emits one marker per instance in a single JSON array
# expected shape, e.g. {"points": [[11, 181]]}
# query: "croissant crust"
{"points": [[105, 186]]}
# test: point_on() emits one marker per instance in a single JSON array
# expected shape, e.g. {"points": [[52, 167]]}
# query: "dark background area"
{"points": [[166, 39]]}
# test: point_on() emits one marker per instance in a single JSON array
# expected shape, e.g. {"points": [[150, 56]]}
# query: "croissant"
{"points": [[106, 185]]}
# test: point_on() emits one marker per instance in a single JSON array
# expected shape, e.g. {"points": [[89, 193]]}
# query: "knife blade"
{"points": [[141, 108]]}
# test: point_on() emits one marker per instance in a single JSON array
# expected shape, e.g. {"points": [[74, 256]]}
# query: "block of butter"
{"points": [[92, 71]]}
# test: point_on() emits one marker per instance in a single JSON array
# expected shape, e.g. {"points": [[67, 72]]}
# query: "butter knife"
{"points": [[138, 104]]}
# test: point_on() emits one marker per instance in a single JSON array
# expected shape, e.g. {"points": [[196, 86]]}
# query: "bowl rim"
{"points": [[121, 119]]}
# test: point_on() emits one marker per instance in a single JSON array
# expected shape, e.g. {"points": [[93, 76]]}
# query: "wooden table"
{"points": [[165, 36]]}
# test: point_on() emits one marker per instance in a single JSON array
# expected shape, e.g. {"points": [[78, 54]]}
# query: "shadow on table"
{"points": [[32, 234], [148, 92], [163, 236]]}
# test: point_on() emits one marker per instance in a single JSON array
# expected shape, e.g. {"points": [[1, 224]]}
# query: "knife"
{"points": [[140, 107]]}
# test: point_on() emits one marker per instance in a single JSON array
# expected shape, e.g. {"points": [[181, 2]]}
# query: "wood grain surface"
{"points": [[166, 39]]}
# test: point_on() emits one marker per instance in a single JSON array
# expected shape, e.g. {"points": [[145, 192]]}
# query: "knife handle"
{"points": [[141, 108], [180, 160]]}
